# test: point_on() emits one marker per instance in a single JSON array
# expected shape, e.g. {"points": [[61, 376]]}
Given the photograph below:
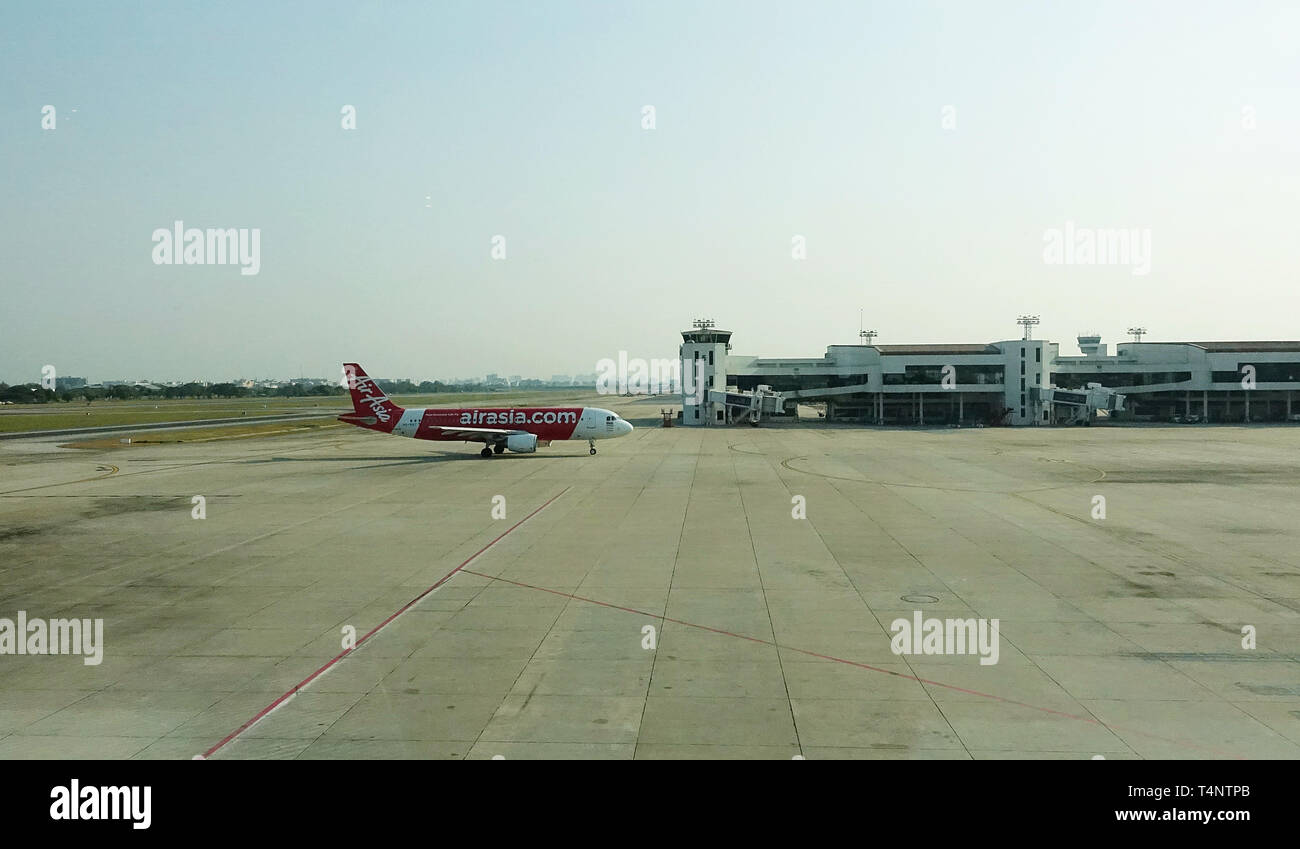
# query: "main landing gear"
{"points": [[592, 443], [485, 453], [498, 449]]}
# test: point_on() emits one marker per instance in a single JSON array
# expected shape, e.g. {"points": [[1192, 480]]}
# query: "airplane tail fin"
{"points": [[370, 406]]}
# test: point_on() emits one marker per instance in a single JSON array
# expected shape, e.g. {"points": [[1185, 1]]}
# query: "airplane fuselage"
{"points": [[546, 423], [519, 430]]}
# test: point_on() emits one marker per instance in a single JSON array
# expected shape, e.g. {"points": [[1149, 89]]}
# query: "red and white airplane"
{"points": [[517, 430]]}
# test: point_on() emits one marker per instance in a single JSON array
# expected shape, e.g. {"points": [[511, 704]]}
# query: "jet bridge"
{"points": [[749, 406], [1080, 406]]}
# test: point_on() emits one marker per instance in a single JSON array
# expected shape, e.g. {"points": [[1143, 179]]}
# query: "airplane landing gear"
{"points": [[498, 449], [485, 453], [592, 443]]}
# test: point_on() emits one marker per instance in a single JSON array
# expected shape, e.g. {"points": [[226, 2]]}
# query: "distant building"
{"points": [[61, 383], [1004, 382]]}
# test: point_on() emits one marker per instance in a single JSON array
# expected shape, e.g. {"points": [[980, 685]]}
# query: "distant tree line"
{"points": [[34, 393]]}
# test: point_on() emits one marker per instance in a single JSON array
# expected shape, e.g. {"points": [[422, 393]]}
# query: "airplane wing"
{"points": [[489, 435]]}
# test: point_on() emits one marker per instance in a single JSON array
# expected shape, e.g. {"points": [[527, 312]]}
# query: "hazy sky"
{"points": [[823, 120]]}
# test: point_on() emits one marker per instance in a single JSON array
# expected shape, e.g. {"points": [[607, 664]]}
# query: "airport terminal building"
{"points": [[1020, 382]]}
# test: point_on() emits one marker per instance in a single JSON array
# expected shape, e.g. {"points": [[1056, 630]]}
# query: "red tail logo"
{"points": [[367, 398]]}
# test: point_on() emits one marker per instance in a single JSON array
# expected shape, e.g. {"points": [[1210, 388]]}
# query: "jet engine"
{"points": [[522, 443]]}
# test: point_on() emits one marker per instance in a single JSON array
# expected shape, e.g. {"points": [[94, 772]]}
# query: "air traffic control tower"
{"points": [[704, 368]]}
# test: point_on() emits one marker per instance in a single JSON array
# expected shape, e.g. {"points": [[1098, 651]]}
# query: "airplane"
{"points": [[520, 431]]}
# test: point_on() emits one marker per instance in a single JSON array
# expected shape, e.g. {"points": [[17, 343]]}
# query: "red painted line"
{"points": [[312, 677], [1002, 699]]}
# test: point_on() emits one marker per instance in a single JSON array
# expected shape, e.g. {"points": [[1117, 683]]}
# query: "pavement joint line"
{"points": [[173, 425], [758, 569], [857, 589], [956, 594], [1179, 561], [788, 460], [379, 684], [677, 553], [289, 694], [175, 467], [257, 538], [559, 615], [774, 644], [147, 495]]}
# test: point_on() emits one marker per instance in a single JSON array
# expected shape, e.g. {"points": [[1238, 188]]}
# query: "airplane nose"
{"points": [[624, 427]]}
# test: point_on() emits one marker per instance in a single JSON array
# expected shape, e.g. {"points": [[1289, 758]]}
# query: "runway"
{"points": [[661, 599]]}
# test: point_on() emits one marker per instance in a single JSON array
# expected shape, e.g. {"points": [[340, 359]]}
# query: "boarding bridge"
{"points": [[1080, 406], [749, 406]]}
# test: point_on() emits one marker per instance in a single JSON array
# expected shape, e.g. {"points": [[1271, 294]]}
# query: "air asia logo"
{"points": [[75, 802], [518, 417], [371, 394], [58, 636], [377, 407]]}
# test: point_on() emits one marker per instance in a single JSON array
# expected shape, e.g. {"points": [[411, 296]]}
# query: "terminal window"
{"points": [[933, 374], [1274, 372]]}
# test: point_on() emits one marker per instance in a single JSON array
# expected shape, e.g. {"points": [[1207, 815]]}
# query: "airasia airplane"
{"points": [[517, 430]]}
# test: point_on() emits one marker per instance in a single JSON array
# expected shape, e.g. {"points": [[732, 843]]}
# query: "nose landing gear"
{"points": [[592, 443]]}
